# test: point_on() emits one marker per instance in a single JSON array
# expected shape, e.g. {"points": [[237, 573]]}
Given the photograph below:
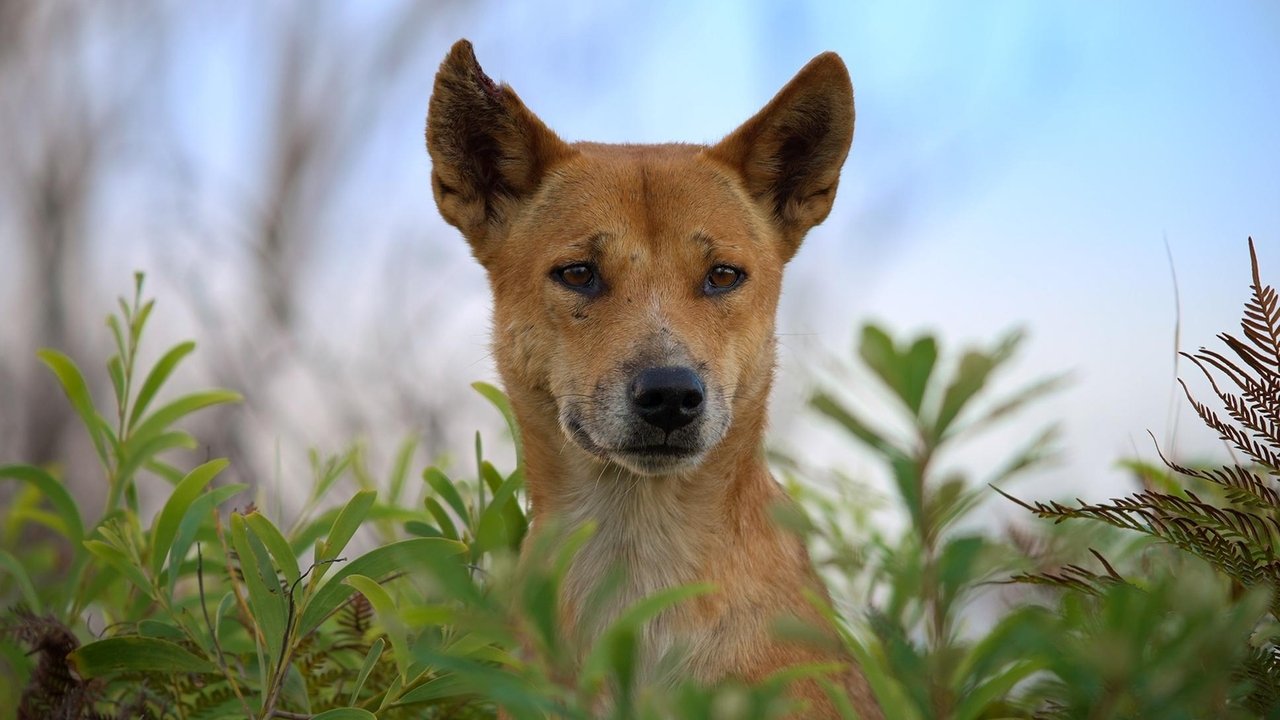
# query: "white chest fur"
{"points": [[647, 537]]}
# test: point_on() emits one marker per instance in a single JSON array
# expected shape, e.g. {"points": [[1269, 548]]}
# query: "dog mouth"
{"points": [[646, 459]]}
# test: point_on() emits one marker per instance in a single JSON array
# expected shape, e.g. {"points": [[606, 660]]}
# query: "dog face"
{"points": [[635, 287]]}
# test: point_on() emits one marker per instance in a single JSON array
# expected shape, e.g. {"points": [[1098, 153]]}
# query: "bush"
{"points": [[210, 609]]}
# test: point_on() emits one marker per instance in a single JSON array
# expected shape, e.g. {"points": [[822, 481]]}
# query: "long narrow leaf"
{"points": [[375, 563], [77, 390], [22, 579], [500, 401], [343, 528], [385, 608], [371, 659], [265, 596], [57, 495], [279, 548], [163, 368], [136, 654], [168, 414], [166, 523]]}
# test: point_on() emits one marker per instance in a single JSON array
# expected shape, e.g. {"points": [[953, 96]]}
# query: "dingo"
{"points": [[635, 288]]}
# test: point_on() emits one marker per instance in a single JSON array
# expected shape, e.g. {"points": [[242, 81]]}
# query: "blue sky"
{"points": [[1014, 164]]}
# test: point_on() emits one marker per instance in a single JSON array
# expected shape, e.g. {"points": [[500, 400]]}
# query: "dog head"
{"points": [[635, 286]]}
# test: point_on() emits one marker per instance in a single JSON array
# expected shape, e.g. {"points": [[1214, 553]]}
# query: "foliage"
{"points": [[1155, 625], [403, 600], [917, 654], [205, 613]]}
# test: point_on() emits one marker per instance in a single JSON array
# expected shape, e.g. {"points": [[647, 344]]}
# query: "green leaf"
{"points": [[956, 562], [422, 529], [159, 373], [442, 519], [270, 536], [400, 470], [971, 376], [346, 713], [115, 369], [371, 659], [114, 323], [22, 580], [196, 516], [375, 563], [906, 374], [139, 321], [834, 409], [445, 488], [77, 391], [437, 688], [342, 530], [165, 526], [500, 401], [328, 473], [616, 646], [116, 559], [168, 414], [493, 530], [265, 596], [136, 654], [385, 608], [877, 351], [917, 366], [160, 629], [57, 495]]}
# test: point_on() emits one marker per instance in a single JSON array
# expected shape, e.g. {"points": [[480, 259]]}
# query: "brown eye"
{"points": [[579, 276], [721, 278]]}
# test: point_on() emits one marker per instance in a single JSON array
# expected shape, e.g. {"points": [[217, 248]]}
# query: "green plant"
{"points": [[209, 608], [1225, 524], [916, 653], [205, 613]]}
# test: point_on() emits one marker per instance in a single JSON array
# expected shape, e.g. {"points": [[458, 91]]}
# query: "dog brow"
{"points": [[591, 247], [708, 245]]}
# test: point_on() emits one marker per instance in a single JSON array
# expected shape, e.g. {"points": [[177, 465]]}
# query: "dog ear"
{"points": [[488, 151], [789, 155]]}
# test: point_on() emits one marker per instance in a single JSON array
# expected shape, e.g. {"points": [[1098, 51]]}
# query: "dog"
{"points": [[635, 290]]}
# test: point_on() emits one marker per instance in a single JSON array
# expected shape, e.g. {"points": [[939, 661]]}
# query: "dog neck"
{"points": [[651, 531]]}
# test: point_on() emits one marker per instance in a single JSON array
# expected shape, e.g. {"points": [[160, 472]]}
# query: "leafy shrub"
{"points": [[211, 609], [210, 614], [1192, 632]]}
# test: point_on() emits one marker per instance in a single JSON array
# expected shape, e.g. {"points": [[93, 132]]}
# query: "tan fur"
{"points": [[652, 220]]}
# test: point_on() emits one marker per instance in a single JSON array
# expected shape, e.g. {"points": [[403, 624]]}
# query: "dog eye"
{"points": [[723, 277], [579, 277]]}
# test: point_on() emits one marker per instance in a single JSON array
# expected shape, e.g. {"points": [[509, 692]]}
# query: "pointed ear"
{"points": [[789, 155], [488, 151]]}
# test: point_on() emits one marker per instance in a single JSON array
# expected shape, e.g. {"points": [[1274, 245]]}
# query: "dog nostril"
{"points": [[692, 399], [649, 399], [667, 397]]}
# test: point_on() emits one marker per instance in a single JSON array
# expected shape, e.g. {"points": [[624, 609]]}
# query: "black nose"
{"points": [[667, 397]]}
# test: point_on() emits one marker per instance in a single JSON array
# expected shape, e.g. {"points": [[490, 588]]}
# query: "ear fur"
{"points": [[488, 151], [790, 153]]}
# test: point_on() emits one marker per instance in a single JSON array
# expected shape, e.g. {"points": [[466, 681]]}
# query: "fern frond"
{"points": [[1247, 445], [1261, 322], [1261, 669], [1074, 577]]}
